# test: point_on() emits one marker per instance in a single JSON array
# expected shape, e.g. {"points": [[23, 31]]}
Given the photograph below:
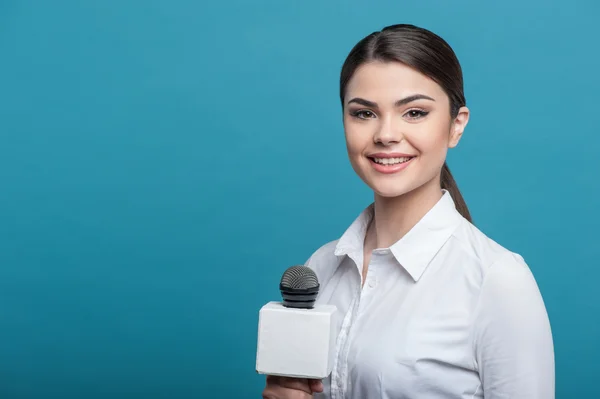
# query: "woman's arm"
{"points": [[513, 340]]}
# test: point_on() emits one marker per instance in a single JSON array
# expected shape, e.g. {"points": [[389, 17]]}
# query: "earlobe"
{"points": [[458, 126]]}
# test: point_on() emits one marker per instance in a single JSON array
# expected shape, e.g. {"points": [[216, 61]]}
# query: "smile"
{"points": [[391, 161], [390, 164]]}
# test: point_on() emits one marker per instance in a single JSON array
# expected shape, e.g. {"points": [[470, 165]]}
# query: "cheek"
{"points": [[356, 141], [433, 142], [428, 148]]}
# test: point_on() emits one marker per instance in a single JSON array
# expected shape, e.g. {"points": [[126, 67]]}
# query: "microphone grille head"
{"points": [[299, 277], [299, 287]]}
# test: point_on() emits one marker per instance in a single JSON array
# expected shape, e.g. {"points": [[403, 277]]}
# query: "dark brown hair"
{"points": [[425, 52]]}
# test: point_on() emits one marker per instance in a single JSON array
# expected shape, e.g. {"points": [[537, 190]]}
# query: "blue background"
{"points": [[162, 163]]}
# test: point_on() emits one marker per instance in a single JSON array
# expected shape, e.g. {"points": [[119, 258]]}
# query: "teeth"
{"points": [[391, 161]]}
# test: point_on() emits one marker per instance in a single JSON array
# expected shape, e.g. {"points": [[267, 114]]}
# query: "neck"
{"points": [[394, 217]]}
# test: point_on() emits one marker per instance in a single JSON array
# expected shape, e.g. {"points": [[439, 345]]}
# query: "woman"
{"points": [[430, 306]]}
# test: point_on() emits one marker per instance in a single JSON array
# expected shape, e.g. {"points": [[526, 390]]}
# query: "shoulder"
{"points": [[488, 255], [507, 287], [479, 245], [503, 277], [512, 336]]}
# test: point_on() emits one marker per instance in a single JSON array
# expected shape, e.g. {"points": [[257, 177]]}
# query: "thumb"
{"points": [[315, 385]]}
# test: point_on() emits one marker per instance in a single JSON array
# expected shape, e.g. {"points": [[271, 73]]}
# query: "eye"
{"points": [[415, 114], [362, 114]]}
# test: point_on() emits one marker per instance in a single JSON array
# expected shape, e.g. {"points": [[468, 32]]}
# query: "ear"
{"points": [[458, 126]]}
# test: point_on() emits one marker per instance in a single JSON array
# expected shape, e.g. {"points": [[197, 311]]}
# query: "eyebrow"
{"points": [[398, 103]]}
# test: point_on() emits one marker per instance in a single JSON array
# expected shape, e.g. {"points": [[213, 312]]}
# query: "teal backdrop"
{"points": [[163, 162]]}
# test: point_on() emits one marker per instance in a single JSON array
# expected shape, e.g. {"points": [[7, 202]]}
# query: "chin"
{"points": [[389, 189], [390, 194]]}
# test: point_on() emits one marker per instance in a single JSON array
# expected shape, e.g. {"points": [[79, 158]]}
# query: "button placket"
{"points": [[340, 364], [370, 279], [340, 369], [361, 299]]}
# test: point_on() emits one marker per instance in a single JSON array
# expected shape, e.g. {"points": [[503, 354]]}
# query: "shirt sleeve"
{"points": [[513, 341]]}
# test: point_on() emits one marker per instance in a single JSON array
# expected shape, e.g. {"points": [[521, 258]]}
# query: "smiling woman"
{"points": [[430, 65], [408, 128], [431, 307]]}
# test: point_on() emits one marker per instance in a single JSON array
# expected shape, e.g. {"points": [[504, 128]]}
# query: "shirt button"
{"points": [[372, 283]]}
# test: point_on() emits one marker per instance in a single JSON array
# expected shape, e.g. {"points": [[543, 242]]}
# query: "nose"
{"points": [[387, 134]]}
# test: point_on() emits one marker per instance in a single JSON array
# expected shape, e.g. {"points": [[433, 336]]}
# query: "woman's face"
{"points": [[398, 127]]}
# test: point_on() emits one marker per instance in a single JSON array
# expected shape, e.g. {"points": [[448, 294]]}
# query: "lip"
{"points": [[389, 169], [390, 155]]}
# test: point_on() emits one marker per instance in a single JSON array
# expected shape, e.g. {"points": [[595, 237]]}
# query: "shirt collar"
{"points": [[417, 248]]}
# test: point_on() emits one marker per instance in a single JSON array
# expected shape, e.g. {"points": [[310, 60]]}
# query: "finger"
{"points": [[279, 392], [316, 385], [267, 394], [272, 379], [299, 384], [271, 390]]}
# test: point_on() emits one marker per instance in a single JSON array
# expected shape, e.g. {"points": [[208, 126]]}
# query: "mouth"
{"points": [[390, 164], [390, 161]]}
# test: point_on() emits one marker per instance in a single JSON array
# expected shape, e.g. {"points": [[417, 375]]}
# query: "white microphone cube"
{"points": [[296, 342]]}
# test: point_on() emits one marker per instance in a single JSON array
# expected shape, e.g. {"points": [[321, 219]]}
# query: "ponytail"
{"points": [[449, 184]]}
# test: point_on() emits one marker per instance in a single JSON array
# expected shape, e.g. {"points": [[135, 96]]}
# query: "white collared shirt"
{"points": [[445, 312]]}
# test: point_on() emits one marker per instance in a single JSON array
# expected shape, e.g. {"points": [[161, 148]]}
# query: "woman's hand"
{"points": [[291, 388]]}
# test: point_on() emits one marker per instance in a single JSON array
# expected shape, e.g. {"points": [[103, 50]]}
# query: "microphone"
{"points": [[299, 287], [296, 337]]}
